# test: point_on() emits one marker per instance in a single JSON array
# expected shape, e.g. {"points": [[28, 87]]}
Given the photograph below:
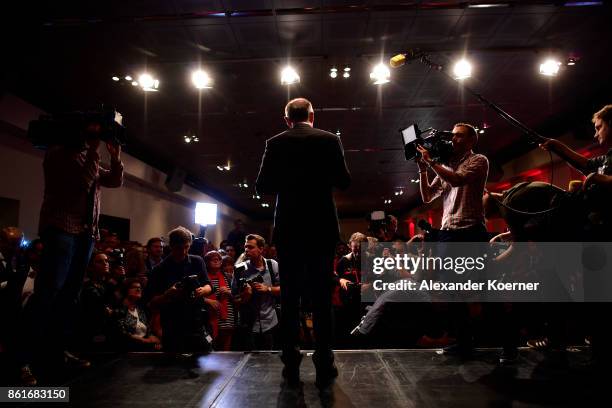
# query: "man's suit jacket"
{"points": [[302, 166]]}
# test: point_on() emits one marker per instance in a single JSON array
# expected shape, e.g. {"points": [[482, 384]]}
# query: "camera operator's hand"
{"points": [[551, 145], [260, 287], [344, 283], [114, 151], [424, 156]]}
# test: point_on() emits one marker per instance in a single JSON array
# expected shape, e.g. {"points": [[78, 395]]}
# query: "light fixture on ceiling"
{"points": [[347, 72], [462, 69], [201, 79], [265, 205], [333, 73], [256, 197], [148, 83], [189, 138], [380, 74], [488, 5], [115, 78], [338, 132], [128, 78], [289, 76], [550, 67]]}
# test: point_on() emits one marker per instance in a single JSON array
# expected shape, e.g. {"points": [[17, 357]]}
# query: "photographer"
{"points": [[176, 290], [68, 226], [256, 282], [461, 185]]}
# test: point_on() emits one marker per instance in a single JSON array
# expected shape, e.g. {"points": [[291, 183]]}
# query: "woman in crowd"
{"points": [[132, 326], [220, 301]]}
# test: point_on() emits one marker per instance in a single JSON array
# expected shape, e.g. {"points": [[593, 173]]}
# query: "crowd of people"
{"points": [[182, 293]]}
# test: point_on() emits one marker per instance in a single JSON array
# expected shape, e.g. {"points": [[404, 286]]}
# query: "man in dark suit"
{"points": [[302, 166]]}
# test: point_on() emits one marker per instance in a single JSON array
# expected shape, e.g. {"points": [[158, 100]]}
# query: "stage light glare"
{"points": [[201, 79], [462, 69], [550, 67], [206, 214], [146, 81], [380, 74], [289, 76], [134, 83]]}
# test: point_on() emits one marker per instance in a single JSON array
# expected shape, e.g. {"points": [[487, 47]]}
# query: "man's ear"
{"points": [[311, 117], [289, 122]]}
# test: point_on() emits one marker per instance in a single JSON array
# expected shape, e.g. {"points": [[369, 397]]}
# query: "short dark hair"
{"points": [[127, 284], [210, 254], [261, 242], [154, 240], [297, 110], [180, 236], [471, 130]]}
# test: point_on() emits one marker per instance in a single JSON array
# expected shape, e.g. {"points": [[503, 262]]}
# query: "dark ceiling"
{"points": [[62, 58]]}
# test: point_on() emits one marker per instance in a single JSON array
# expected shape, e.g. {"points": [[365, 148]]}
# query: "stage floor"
{"points": [[368, 378]]}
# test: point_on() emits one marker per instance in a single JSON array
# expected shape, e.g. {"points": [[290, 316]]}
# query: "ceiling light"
{"points": [[462, 69], [338, 132], [333, 72], [550, 67], [265, 205], [571, 61], [347, 69], [481, 131], [380, 74], [187, 139], [488, 5], [134, 83], [289, 76], [256, 197], [346, 75], [220, 168], [128, 78], [148, 83], [115, 78], [201, 79]]}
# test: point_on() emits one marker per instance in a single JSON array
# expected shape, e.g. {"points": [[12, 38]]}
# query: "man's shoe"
{"points": [[508, 357], [26, 376], [73, 361], [326, 377]]}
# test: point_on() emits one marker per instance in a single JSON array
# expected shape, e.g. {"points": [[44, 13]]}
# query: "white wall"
{"points": [[143, 199]]}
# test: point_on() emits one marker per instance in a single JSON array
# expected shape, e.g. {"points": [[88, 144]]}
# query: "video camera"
{"points": [[73, 129], [116, 257], [188, 285], [438, 143], [243, 282]]}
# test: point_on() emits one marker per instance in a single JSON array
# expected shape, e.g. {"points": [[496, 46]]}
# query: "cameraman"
{"points": [[461, 185], [257, 299], [68, 227], [179, 302]]}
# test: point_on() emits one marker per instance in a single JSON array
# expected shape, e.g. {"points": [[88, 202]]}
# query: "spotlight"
{"points": [[201, 79], [187, 139], [333, 72], [289, 76], [462, 69], [481, 131], [380, 74], [128, 78], [338, 132], [256, 197], [148, 83], [115, 78], [550, 67], [347, 69], [571, 61], [265, 205], [134, 83], [346, 75]]}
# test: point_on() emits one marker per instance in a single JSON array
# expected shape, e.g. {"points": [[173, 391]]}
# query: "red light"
{"points": [[532, 173]]}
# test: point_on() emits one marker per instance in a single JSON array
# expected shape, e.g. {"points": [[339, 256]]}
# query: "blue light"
{"points": [[583, 3]]}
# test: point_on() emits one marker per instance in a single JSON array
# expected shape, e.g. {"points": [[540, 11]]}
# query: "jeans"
{"points": [[53, 307]]}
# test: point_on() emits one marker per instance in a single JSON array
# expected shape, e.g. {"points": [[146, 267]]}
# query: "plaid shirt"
{"points": [[71, 201], [462, 205]]}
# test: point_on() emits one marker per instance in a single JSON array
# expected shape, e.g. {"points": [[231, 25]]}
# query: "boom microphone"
{"points": [[400, 59]]}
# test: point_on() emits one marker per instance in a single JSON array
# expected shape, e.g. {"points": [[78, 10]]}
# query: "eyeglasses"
{"points": [[136, 287]]}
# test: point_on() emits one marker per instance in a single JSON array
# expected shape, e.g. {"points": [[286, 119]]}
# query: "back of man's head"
{"points": [[298, 110], [179, 236]]}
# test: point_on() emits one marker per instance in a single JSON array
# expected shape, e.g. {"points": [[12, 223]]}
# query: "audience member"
{"points": [[221, 302]]}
